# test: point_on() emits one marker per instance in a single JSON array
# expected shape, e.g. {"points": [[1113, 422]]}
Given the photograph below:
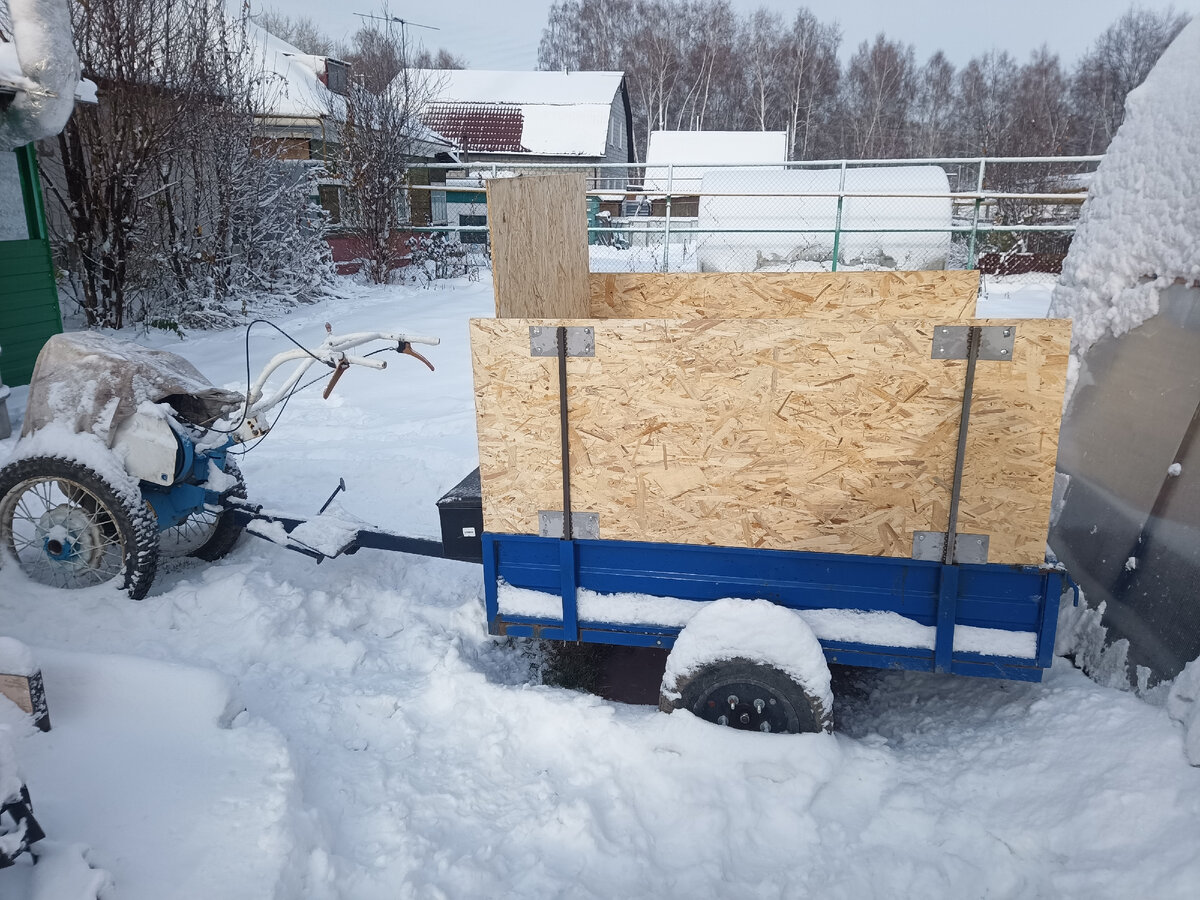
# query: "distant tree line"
{"points": [[699, 64]]}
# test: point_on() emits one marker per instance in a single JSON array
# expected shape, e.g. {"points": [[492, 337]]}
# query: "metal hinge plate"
{"points": [[584, 525], [969, 549], [543, 340], [995, 342]]}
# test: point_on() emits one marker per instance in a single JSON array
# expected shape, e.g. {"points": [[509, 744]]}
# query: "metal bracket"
{"points": [[969, 549], [995, 343], [584, 525], [543, 340]]}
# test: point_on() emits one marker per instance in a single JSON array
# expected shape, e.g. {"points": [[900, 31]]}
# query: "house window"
{"points": [[329, 196], [437, 213], [472, 237], [14, 224]]}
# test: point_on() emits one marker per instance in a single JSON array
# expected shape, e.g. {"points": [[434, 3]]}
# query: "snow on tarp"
{"points": [[924, 222], [92, 382], [48, 72], [1139, 230], [881, 629], [707, 147]]}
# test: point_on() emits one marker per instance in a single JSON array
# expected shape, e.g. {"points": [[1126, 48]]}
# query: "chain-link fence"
{"points": [[1012, 218]]}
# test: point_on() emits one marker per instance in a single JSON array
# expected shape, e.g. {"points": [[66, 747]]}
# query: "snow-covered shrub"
{"points": [[165, 206], [433, 257]]}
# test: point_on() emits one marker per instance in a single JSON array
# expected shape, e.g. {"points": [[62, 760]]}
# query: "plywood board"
{"points": [[1012, 442], [538, 227], [785, 434], [760, 295]]}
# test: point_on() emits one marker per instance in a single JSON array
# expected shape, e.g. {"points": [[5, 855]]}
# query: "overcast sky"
{"points": [[504, 34]]}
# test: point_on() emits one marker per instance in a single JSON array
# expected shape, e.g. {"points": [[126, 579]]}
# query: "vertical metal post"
{"points": [[667, 227], [491, 594], [974, 337], [837, 225], [975, 218], [568, 569], [947, 602], [566, 553], [947, 612], [565, 439]]}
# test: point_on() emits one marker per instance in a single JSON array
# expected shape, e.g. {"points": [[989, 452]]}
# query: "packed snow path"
{"points": [[389, 749]]}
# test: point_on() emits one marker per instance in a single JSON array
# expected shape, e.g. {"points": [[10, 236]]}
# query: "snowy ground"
{"points": [[265, 727]]}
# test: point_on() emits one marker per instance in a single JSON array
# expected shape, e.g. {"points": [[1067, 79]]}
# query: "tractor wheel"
{"points": [[207, 535], [750, 696], [67, 525]]}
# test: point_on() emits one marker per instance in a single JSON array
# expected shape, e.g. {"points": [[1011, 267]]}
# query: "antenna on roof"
{"points": [[404, 23]]}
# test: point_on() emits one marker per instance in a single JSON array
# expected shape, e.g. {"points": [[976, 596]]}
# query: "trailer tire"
{"points": [[69, 525], [208, 536], [749, 696]]}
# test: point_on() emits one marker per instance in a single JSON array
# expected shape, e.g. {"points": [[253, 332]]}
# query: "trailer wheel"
{"points": [[750, 696], [67, 525], [207, 535]]}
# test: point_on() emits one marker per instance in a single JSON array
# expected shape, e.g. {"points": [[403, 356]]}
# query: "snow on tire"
{"points": [[751, 665], [67, 525]]}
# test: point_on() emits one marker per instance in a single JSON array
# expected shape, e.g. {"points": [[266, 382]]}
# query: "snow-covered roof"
{"points": [[713, 147], [562, 113], [292, 88], [1141, 219]]}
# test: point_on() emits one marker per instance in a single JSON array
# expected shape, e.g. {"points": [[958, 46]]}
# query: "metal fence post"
{"points": [[975, 218], [837, 225], [667, 225]]}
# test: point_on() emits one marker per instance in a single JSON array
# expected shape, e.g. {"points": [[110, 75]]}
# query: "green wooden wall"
{"points": [[29, 311]]}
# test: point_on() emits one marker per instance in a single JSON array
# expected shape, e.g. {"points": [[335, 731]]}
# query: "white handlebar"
{"points": [[331, 352]]}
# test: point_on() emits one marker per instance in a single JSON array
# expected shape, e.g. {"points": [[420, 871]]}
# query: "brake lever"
{"points": [[340, 370], [406, 347]]}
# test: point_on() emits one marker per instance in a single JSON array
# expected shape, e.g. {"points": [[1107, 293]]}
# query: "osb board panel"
{"points": [[538, 227], [728, 295], [1012, 442], [785, 434]]}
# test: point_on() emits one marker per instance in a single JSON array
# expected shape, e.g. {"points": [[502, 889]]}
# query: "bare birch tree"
{"points": [[878, 92]]}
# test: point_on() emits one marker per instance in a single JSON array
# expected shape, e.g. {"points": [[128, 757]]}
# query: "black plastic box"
{"points": [[461, 514]]}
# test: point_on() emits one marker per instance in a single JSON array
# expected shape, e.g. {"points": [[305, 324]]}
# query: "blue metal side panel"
{"points": [[991, 596], [947, 612], [491, 585]]}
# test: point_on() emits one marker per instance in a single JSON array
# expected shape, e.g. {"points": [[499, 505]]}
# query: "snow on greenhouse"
{"points": [[766, 220], [720, 148]]}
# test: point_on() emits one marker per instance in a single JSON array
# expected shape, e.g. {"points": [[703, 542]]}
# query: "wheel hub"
{"points": [[68, 537], [745, 706]]}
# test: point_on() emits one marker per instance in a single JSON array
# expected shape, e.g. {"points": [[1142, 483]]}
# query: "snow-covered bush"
{"points": [[165, 208]]}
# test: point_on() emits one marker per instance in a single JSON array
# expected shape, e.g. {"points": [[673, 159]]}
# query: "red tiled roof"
{"points": [[482, 127]]}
